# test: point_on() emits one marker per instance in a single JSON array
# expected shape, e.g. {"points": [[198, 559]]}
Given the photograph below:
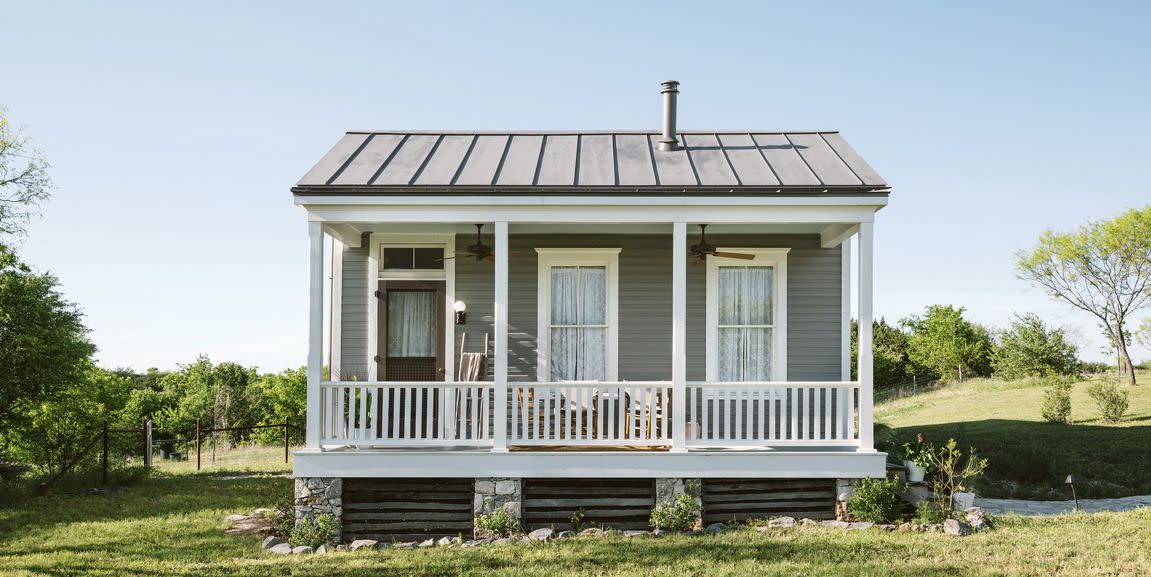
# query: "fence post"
{"points": [[285, 439], [105, 452], [148, 443], [197, 444]]}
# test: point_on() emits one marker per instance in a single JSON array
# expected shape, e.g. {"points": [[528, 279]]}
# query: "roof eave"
{"points": [[458, 190]]}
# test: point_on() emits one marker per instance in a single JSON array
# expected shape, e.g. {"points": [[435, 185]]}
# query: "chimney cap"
{"points": [[670, 85]]}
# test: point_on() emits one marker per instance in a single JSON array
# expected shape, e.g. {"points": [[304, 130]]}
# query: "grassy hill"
{"points": [[1028, 457]]}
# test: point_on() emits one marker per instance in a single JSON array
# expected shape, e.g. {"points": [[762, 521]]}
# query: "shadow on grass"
{"points": [[1029, 459]]}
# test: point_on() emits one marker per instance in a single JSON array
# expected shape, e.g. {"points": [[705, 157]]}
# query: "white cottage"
{"points": [[559, 321]]}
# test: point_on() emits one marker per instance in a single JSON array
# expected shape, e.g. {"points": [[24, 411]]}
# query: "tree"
{"points": [[1103, 268], [44, 345], [890, 364], [1030, 349], [24, 181], [948, 345]]}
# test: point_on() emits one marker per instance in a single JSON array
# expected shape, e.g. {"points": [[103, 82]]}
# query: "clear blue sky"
{"points": [[176, 128]]}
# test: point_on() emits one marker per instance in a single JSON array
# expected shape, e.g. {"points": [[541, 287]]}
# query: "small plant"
{"points": [[1057, 403], [285, 516], [953, 473], [920, 452], [876, 501], [929, 513], [498, 523], [577, 520], [1111, 401], [682, 514], [315, 531]]}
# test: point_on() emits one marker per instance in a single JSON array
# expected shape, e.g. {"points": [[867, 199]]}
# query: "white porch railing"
{"points": [[406, 414], [630, 413], [592, 413], [772, 414]]}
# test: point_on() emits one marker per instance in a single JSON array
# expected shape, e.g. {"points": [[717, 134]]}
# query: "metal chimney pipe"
{"points": [[670, 89]]}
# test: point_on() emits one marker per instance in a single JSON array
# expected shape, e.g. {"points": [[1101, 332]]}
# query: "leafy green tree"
{"points": [[282, 395], [1103, 268], [220, 396], [890, 364], [24, 181], [1028, 348], [44, 345], [947, 345]]}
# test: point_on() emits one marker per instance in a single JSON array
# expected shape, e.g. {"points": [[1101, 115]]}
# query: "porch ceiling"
{"points": [[578, 163]]}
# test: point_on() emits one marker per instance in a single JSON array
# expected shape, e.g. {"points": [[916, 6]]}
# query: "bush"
{"points": [[876, 501], [499, 523], [1057, 403], [1030, 349], [1111, 401], [315, 531], [929, 513], [683, 514]]}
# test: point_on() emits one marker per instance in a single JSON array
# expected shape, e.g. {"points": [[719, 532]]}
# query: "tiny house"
{"points": [[557, 321]]}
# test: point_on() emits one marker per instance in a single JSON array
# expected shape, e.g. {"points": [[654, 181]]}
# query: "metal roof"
{"points": [[591, 162]]}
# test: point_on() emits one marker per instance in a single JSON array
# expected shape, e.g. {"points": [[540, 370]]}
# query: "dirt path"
{"points": [[1032, 508]]}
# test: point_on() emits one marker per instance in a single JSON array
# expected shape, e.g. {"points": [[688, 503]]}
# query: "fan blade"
{"points": [[490, 258], [735, 255], [697, 261]]}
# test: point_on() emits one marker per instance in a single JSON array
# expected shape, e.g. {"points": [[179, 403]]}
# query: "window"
{"points": [[412, 258], [577, 314], [746, 317]]}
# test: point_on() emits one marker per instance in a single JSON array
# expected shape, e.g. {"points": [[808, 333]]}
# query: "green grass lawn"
{"points": [[170, 525], [1030, 458]]}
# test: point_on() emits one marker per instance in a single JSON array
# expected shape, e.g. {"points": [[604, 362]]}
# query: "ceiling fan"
{"points": [[479, 251], [702, 250]]}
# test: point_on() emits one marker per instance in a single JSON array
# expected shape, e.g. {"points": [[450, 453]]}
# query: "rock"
{"points": [[565, 534], [933, 528], [270, 542], [341, 547], [860, 525], [503, 541], [630, 534], [363, 544], [263, 513], [905, 527], [506, 487], [541, 534], [236, 518], [405, 545], [281, 549], [808, 522], [302, 550], [836, 524], [323, 549], [953, 527], [716, 528], [428, 543], [446, 541], [477, 542], [591, 532], [382, 546], [887, 527], [964, 500], [660, 532], [781, 523]]}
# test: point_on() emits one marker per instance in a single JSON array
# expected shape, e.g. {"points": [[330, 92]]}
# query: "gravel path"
{"points": [[1030, 508]]}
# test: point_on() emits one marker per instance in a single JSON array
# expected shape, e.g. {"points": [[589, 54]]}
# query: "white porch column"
{"points": [[679, 336], [866, 291], [315, 329], [500, 431]]}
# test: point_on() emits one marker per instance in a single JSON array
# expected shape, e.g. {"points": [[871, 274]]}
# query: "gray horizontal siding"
{"points": [[354, 308], [644, 307]]}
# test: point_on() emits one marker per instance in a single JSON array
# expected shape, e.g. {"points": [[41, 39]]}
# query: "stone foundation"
{"points": [[319, 496], [493, 493]]}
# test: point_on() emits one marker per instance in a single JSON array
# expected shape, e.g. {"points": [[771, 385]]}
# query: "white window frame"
{"points": [[773, 257], [376, 273], [552, 257]]}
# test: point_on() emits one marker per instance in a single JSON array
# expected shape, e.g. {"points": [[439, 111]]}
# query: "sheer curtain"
{"points": [[411, 324], [578, 340], [745, 323]]}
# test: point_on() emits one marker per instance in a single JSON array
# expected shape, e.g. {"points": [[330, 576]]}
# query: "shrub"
{"points": [[499, 523], [1029, 348], [1111, 401], [929, 513], [682, 514], [952, 473], [315, 531], [285, 519], [875, 500], [1057, 403]]}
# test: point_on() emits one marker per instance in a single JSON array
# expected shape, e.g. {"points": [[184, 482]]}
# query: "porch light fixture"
{"points": [[1071, 481], [461, 312]]}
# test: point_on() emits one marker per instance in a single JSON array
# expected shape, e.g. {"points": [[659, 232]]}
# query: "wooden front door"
{"points": [[410, 346]]}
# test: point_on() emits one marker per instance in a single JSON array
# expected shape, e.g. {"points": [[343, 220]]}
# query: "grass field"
{"points": [[170, 525], [1030, 458]]}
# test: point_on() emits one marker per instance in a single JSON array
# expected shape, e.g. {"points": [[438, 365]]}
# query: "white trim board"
{"points": [[733, 213], [550, 257], [605, 200], [773, 257]]}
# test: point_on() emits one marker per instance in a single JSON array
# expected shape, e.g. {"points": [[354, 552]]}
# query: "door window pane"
{"points": [[411, 324]]}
